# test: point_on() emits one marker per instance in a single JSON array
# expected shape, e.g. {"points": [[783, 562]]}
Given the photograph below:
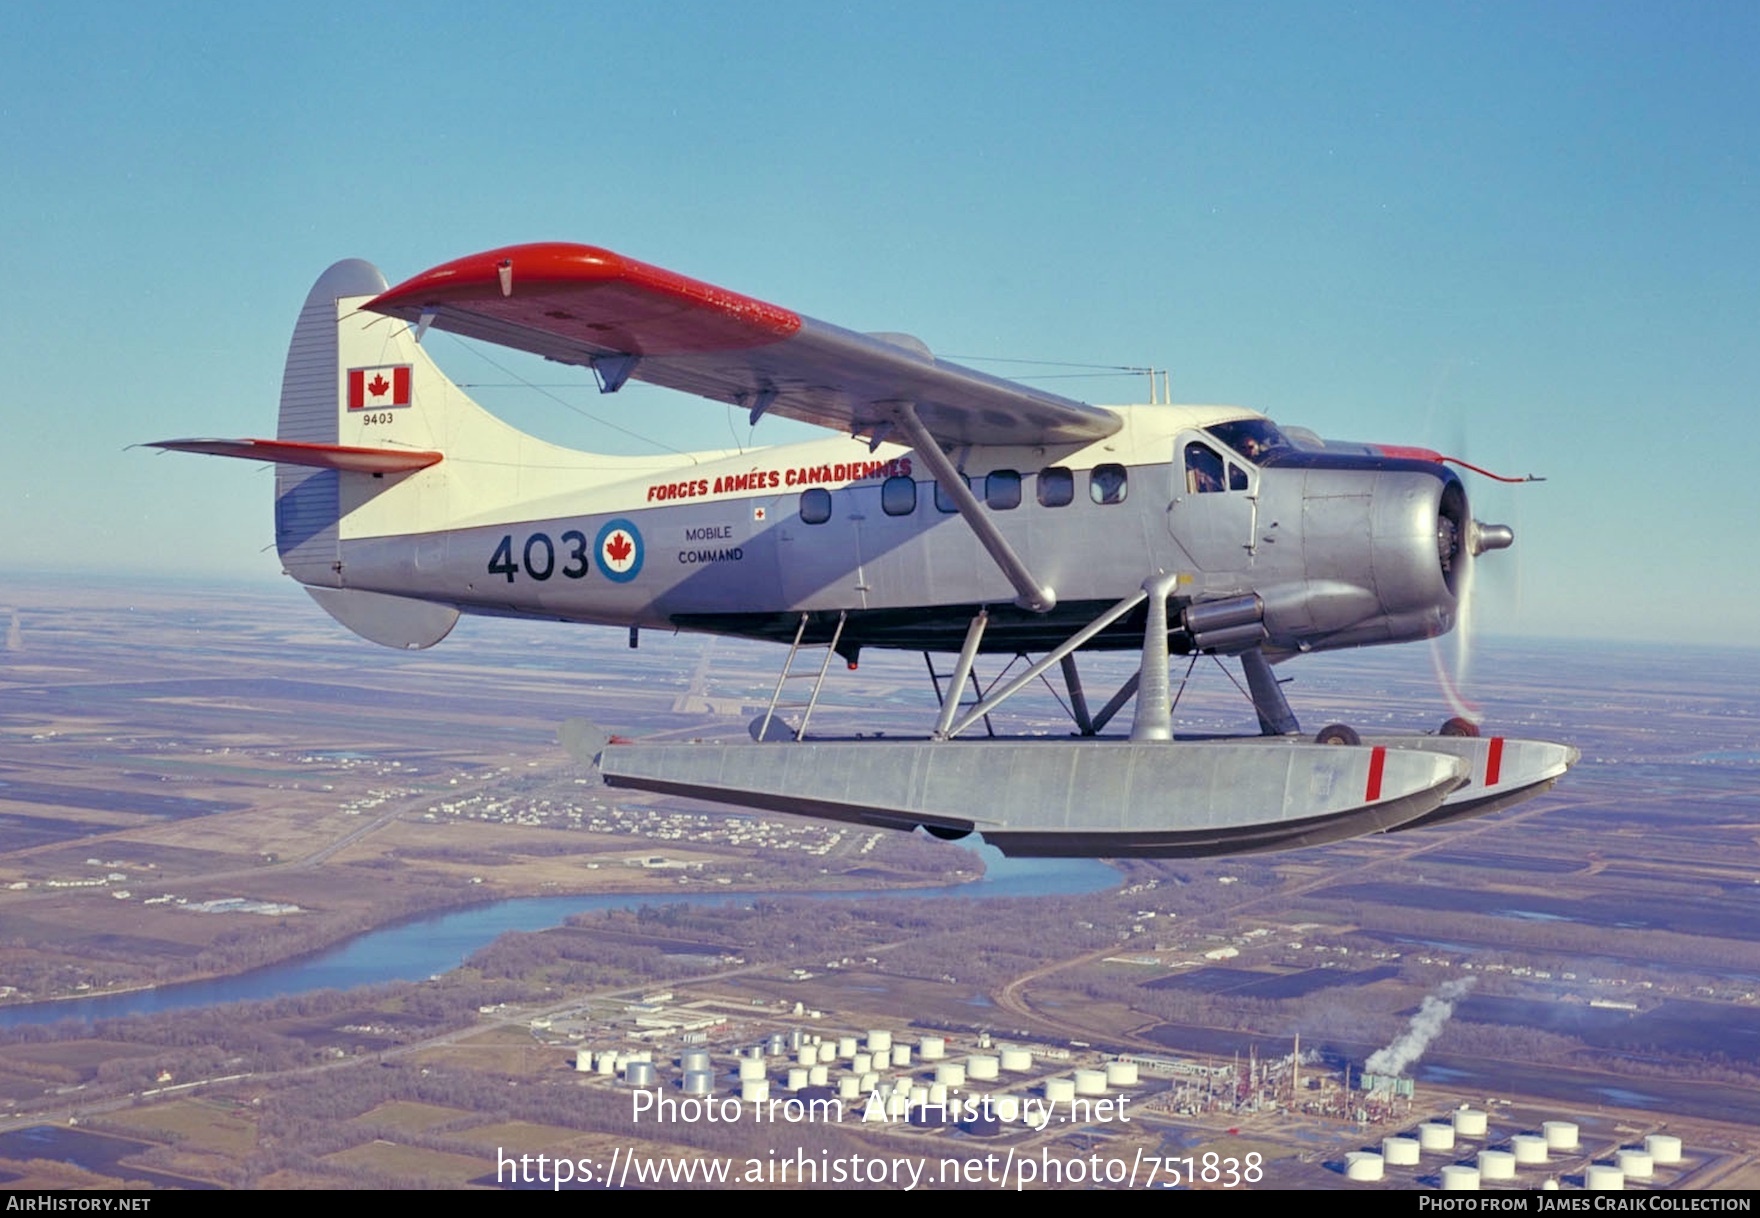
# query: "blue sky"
{"points": [[1525, 231]]}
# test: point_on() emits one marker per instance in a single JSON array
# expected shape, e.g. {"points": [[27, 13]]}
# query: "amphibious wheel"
{"points": [[1338, 733], [1458, 726]]}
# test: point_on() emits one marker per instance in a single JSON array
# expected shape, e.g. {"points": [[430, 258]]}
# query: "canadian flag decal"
{"points": [[378, 388]]}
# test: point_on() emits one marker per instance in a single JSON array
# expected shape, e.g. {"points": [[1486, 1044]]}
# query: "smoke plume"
{"points": [[1398, 1057]]}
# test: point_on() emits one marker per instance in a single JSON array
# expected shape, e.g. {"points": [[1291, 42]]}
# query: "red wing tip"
{"points": [[541, 266], [540, 260]]}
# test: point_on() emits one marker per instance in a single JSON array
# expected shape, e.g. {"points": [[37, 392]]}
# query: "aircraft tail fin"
{"points": [[379, 458]]}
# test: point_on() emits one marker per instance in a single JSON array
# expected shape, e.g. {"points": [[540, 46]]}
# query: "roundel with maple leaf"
{"points": [[620, 551]]}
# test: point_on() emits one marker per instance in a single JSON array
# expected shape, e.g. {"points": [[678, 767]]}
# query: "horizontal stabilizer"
{"points": [[301, 452]]}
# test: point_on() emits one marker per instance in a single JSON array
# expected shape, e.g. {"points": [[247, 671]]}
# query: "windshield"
{"points": [[1254, 439]]}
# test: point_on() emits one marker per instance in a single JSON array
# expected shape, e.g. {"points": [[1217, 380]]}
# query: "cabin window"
{"points": [[1203, 469], [815, 505], [1108, 484], [1057, 486], [943, 501], [1237, 477], [1002, 490], [898, 496]]}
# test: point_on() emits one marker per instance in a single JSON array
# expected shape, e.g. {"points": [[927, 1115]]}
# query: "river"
{"points": [[423, 947]]}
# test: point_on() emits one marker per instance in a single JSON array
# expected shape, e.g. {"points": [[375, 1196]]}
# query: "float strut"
{"points": [[961, 671], [1078, 701], [1275, 716], [1154, 717]]}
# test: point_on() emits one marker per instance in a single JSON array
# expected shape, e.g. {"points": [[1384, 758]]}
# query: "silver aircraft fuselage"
{"points": [[1341, 550]]}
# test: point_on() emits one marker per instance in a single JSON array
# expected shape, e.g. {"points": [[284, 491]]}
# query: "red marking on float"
{"points": [[1377, 764]]}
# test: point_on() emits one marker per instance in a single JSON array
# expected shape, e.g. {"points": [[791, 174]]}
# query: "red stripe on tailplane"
{"points": [[1494, 761], [350, 458], [1377, 765], [591, 295]]}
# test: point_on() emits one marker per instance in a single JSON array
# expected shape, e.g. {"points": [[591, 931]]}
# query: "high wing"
{"points": [[578, 304]]}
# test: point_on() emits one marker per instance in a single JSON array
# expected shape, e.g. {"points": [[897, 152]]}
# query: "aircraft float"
{"points": [[948, 512]]}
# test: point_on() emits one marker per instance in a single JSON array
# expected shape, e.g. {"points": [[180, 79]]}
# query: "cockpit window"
{"points": [[1254, 439], [1203, 469]]}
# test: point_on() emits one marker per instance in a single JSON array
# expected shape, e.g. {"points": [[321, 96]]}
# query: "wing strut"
{"points": [[1034, 595], [961, 672]]}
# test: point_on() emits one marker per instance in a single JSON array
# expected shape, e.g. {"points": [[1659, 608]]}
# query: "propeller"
{"points": [[1461, 549]]}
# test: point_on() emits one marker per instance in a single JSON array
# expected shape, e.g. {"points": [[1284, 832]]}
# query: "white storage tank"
{"points": [[751, 1069], [606, 1063], [1007, 1108], [932, 1048], [1435, 1136], [1604, 1177], [1497, 1165], [692, 1060], [870, 1081], [1400, 1151], [807, 1055], [1363, 1165], [938, 1094], [983, 1067], [583, 1060], [849, 1087], [1121, 1074], [1560, 1135], [797, 1077], [699, 1082], [1528, 1148], [1470, 1122], [861, 1063], [1017, 1061], [1090, 1082], [901, 1055], [818, 1076], [1636, 1164], [639, 1074], [1663, 1148], [1459, 1178], [950, 1074], [879, 1040], [1060, 1090], [755, 1090]]}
